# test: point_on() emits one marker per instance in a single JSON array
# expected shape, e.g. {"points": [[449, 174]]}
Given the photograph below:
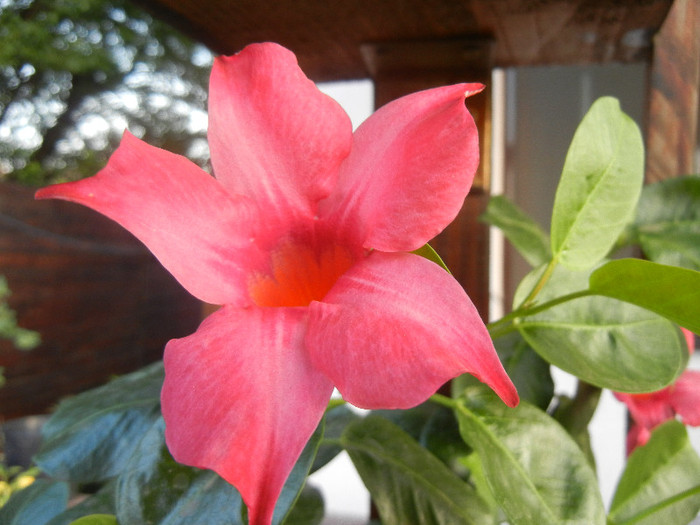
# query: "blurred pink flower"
{"points": [[304, 237], [681, 399]]}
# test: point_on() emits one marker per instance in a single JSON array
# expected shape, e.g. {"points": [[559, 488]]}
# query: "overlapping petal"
{"points": [[241, 398], [412, 165], [273, 135], [197, 230], [395, 328]]}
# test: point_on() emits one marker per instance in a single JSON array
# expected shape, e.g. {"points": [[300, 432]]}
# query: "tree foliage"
{"points": [[75, 73]]}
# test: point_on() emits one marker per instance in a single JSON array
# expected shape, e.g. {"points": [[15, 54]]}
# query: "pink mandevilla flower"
{"points": [[649, 410], [304, 236]]}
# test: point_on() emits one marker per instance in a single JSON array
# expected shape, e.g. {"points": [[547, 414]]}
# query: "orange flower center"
{"points": [[300, 274]]}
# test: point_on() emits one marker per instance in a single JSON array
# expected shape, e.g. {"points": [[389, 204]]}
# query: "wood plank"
{"points": [[672, 122]]}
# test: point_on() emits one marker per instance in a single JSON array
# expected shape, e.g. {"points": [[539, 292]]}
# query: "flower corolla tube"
{"points": [[304, 237]]}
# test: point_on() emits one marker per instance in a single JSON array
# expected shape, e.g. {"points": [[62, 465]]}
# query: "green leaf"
{"points": [[36, 504], [669, 291], [296, 480], [599, 187], [335, 421], [536, 472], [603, 341], [97, 519], [661, 483], [429, 253], [308, 510], [154, 488], [407, 483], [102, 502], [667, 225], [91, 436], [520, 229]]}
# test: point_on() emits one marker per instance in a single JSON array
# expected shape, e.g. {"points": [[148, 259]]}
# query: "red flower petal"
{"points": [[190, 223], [241, 398], [685, 397], [396, 327], [273, 135], [412, 165]]}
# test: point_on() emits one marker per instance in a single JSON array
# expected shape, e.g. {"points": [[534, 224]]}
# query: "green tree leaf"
{"points": [[669, 291], [599, 187], [520, 229], [667, 225], [407, 483], [91, 436], [536, 472], [36, 504], [605, 342], [96, 519], [661, 483]]}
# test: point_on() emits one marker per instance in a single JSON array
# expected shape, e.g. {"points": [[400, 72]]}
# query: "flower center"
{"points": [[300, 274]]}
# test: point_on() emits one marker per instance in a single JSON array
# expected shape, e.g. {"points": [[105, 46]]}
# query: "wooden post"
{"points": [[672, 120], [399, 68]]}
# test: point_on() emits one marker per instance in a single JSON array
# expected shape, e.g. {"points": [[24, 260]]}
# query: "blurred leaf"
{"points": [[91, 436], [661, 483], [36, 504], [536, 472], [669, 291], [520, 229], [407, 483], [667, 225], [605, 342], [97, 519], [599, 187]]}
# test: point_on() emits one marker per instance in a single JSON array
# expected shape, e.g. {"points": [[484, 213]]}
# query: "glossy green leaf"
{"points": [[155, 489], [603, 341], [669, 291], [407, 483], [429, 253], [91, 436], [36, 505], [661, 483], [96, 519], [536, 472], [667, 225], [599, 188], [519, 228]]}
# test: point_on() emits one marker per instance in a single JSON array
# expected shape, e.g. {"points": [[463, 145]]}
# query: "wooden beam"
{"points": [[672, 120]]}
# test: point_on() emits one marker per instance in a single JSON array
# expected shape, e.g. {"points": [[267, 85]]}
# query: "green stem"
{"points": [[540, 284], [504, 324]]}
